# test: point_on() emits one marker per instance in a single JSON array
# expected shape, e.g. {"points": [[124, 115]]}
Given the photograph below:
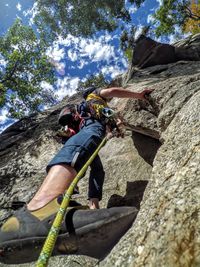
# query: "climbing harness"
{"points": [[55, 228], [96, 104], [108, 112]]}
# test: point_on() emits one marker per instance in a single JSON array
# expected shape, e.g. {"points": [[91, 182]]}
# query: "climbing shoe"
{"points": [[83, 232], [22, 236]]}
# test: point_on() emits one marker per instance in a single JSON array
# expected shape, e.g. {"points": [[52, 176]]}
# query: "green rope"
{"points": [[55, 228]]}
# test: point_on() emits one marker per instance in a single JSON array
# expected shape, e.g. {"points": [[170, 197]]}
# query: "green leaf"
{"points": [[27, 66]]}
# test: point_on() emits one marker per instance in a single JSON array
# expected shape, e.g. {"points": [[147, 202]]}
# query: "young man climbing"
{"points": [[64, 166], [72, 122]]}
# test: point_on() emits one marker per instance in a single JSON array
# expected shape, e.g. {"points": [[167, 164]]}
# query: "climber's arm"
{"points": [[123, 93]]}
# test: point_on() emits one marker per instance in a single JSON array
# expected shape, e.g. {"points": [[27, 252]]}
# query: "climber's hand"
{"points": [[144, 95]]}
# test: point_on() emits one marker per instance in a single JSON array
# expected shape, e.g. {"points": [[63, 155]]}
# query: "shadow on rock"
{"points": [[146, 146], [133, 197]]}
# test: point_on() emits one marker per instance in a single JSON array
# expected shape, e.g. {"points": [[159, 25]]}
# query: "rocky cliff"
{"points": [[155, 167]]}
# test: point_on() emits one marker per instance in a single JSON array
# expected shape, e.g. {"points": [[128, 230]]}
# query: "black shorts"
{"points": [[78, 149]]}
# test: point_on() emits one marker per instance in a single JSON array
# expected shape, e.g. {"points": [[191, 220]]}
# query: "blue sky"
{"points": [[75, 58]]}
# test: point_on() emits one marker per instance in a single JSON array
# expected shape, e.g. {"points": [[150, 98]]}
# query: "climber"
{"points": [[71, 121], [63, 168]]}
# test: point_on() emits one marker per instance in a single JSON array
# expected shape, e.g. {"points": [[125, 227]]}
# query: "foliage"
{"points": [[173, 13], [129, 54], [96, 81], [128, 39], [192, 25], [23, 67], [80, 18]]}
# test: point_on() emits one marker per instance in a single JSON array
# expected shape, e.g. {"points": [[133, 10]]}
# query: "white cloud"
{"points": [[4, 126], [32, 12], [104, 53], [173, 38], [81, 52], [82, 63], [18, 17], [124, 62], [66, 42], [5, 122], [19, 6], [66, 86], [85, 50], [138, 31], [106, 37], [74, 83], [69, 40], [96, 50], [60, 68], [3, 115], [55, 52], [113, 71], [46, 85], [16, 47], [160, 2], [150, 18], [153, 9], [158, 39], [132, 9], [3, 62], [73, 56]]}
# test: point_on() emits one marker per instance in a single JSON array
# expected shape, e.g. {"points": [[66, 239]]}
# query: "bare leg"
{"points": [[94, 203], [56, 182]]}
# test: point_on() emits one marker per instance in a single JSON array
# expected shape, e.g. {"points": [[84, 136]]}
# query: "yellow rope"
{"points": [[55, 228]]}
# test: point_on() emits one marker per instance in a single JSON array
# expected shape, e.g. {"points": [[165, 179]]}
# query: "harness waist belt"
{"points": [[89, 121]]}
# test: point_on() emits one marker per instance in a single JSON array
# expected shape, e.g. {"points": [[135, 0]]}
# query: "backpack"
{"points": [[98, 108]]}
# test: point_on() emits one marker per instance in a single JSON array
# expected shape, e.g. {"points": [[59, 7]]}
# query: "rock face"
{"points": [[148, 52], [167, 229], [188, 49], [155, 168]]}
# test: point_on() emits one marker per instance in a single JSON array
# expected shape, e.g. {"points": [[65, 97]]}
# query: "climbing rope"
{"points": [[55, 228]]}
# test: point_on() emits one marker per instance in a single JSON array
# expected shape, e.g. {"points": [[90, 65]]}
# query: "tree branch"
{"points": [[11, 73], [191, 15]]}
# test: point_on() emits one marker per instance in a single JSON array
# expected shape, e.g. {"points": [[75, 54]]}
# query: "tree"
{"points": [[174, 13], [127, 40], [80, 18], [96, 81], [23, 66], [193, 25]]}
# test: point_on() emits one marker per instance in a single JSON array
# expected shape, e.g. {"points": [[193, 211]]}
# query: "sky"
{"points": [[74, 58]]}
